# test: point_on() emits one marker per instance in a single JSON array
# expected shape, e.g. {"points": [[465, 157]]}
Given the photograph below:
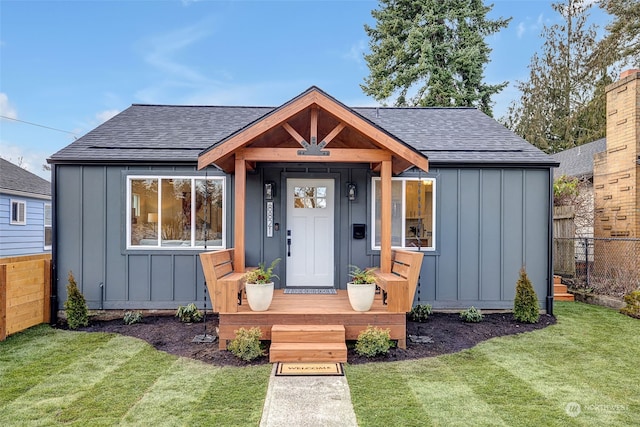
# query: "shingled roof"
{"points": [[169, 133], [578, 161], [19, 181]]}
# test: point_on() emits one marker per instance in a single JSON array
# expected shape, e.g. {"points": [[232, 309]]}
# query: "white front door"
{"points": [[310, 217]]}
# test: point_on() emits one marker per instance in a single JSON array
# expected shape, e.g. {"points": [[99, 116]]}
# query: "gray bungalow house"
{"points": [[314, 182], [25, 212]]}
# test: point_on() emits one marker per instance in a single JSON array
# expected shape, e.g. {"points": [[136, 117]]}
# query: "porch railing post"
{"points": [[385, 217], [239, 214]]}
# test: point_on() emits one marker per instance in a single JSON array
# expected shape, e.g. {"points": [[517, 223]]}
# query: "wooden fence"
{"points": [[25, 288], [564, 231]]}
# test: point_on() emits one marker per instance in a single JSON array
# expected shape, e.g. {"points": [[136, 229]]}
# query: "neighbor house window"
{"points": [[48, 236], [18, 212], [412, 213], [175, 212]]}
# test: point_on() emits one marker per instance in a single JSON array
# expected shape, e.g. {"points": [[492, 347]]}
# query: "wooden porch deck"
{"points": [[312, 309]]}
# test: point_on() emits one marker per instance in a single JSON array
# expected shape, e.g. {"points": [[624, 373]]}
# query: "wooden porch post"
{"points": [[239, 212], [385, 217]]}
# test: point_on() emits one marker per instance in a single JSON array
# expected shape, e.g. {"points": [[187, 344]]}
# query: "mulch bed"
{"points": [[442, 333]]}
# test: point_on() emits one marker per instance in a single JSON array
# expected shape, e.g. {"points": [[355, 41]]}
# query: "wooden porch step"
{"points": [[559, 289], [563, 297], [308, 343], [308, 352], [560, 292], [308, 333]]}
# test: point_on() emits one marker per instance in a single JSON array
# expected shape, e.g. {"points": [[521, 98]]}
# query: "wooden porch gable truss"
{"points": [[273, 138], [368, 144]]}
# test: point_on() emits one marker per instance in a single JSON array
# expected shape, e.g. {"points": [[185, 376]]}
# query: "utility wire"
{"points": [[36, 124]]}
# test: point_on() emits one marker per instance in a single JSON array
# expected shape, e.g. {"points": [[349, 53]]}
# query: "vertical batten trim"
{"points": [[480, 231], [502, 234], [80, 274], [103, 290], [524, 218], [458, 234]]}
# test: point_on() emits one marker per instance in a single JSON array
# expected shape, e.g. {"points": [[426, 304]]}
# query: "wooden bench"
{"points": [[224, 284], [398, 288]]}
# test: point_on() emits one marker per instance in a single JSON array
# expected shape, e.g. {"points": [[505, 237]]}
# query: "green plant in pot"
{"points": [[259, 286], [362, 288]]}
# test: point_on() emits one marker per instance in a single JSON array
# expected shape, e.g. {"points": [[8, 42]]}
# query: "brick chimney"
{"points": [[616, 174]]}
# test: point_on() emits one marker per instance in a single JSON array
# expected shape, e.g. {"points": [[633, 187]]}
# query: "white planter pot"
{"points": [[259, 295], [361, 296]]}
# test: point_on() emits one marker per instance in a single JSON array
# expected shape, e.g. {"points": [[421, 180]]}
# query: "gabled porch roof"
{"points": [[325, 129]]}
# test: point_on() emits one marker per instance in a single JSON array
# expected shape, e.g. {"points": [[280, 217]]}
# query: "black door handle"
{"points": [[288, 247]]}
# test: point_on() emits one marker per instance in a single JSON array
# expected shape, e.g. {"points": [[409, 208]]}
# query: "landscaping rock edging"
{"points": [[601, 300]]}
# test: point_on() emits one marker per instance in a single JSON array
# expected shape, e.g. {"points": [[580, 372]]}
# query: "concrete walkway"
{"points": [[308, 401]]}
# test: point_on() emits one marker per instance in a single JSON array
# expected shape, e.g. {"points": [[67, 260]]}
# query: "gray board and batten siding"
{"points": [[492, 206]]}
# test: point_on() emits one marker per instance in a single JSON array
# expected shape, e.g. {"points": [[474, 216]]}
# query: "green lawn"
{"points": [[50, 377], [589, 358]]}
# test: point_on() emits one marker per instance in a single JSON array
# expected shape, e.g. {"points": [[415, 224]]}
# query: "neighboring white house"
{"points": [[25, 212]]}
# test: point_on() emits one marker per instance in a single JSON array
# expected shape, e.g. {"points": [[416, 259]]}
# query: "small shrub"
{"points": [[525, 305], [420, 313], [189, 314], [75, 305], [633, 305], [471, 315], [131, 317], [246, 344], [373, 341]]}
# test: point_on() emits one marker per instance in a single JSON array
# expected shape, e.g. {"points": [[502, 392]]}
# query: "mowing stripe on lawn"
{"points": [[59, 390], [32, 344], [382, 397], [235, 397], [449, 401], [509, 395], [164, 403], [15, 382], [108, 400]]}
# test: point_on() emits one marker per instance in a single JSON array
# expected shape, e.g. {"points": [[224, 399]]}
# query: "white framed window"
{"points": [[175, 212], [48, 229], [18, 212], [413, 219]]}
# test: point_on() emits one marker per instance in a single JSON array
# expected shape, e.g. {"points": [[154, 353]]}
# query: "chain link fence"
{"points": [[606, 266]]}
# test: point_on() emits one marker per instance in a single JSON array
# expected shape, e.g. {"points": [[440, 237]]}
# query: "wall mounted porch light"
{"points": [[352, 191], [269, 190]]}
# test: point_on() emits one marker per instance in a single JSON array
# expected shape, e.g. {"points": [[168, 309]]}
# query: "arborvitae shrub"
{"points": [[246, 344], [75, 305], [525, 305]]}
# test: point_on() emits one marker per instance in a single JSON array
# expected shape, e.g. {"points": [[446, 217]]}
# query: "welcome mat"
{"points": [[309, 369], [309, 291]]}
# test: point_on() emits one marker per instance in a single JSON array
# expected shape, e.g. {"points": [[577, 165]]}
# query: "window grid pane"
{"points": [[191, 210], [412, 213]]}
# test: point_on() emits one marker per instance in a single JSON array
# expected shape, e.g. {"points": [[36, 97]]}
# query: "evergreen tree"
{"points": [[561, 105], [621, 44], [431, 53], [525, 304], [75, 305]]}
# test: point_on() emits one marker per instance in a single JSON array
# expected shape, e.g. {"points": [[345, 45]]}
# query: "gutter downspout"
{"points": [[549, 299], [54, 250]]}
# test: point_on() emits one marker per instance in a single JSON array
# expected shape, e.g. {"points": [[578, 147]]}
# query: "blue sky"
{"points": [[71, 65]]}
